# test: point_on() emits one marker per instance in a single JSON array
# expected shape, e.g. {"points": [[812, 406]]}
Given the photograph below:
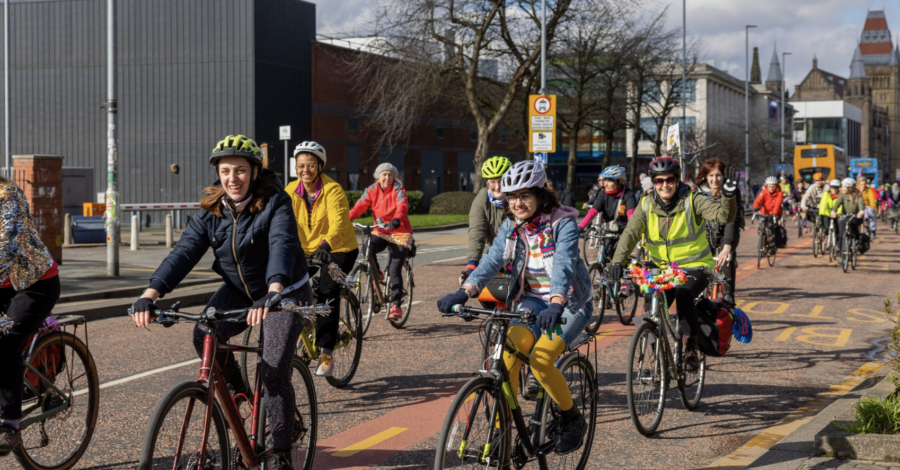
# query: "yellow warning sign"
{"points": [[542, 123]]}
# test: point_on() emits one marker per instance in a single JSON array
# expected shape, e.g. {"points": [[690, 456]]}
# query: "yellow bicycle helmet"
{"points": [[237, 146], [495, 167]]}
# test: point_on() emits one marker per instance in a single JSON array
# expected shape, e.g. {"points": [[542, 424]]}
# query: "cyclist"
{"points": [[673, 220], [326, 234], [892, 195], [809, 203], [709, 181], [851, 201], [387, 198], [486, 214], [540, 241], [29, 289], [769, 200], [247, 220], [870, 197], [827, 201], [615, 204]]}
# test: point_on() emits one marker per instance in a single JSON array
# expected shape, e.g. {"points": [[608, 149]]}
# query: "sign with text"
{"points": [[542, 123]]}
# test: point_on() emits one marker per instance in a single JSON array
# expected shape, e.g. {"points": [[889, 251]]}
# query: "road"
{"points": [[813, 326]]}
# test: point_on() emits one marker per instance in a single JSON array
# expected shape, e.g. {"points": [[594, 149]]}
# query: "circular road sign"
{"points": [[542, 105]]}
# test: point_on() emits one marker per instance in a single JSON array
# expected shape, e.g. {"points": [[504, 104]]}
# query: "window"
{"points": [[688, 127], [439, 132], [651, 92], [689, 90], [473, 135], [504, 137], [352, 125], [648, 125]]}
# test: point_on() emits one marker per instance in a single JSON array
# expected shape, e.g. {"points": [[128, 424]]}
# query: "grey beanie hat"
{"points": [[646, 184], [387, 167]]}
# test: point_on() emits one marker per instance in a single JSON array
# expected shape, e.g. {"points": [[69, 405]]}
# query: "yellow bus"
{"points": [[830, 160]]}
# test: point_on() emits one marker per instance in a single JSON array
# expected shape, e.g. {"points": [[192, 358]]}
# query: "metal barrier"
{"points": [[175, 210]]}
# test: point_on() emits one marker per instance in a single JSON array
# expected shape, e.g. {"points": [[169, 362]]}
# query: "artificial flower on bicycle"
{"points": [[670, 278]]}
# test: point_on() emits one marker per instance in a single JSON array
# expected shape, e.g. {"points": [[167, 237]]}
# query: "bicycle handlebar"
{"points": [[368, 228], [525, 315], [172, 315]]}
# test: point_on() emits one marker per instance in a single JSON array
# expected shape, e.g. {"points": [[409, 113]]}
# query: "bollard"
{"points": [[169, 235], [135, 230], [67, 230]]}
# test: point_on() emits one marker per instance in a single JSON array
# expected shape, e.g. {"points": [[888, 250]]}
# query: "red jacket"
{"points": [[389, 203], [770, 203]]}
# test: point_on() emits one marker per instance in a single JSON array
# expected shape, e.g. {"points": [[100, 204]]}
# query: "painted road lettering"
{"points": [[874, 317], [815, 313], [833, 337]]}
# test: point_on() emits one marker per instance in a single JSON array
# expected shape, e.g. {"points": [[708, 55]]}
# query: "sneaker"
{"points": [[532, 387], [281, 461], [9, 439], [572, 429], [396, 313], [326, 365], [691, 356]]}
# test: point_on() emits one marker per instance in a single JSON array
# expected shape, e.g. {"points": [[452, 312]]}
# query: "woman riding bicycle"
{"points": [[29, 289], [709, 181], [615, 204], [870, 198], [673, 220], [326, 234], [812, 197], [387, 198], [852, 202], [248, 222], [539, 240]]}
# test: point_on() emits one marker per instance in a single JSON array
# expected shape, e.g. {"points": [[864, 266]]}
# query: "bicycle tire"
{"points": [[191, 392], [770, 253], [583, 386], [598, 299], [625, 307], [759, 250], [690, 380], [451, 449], [799, 228], [854, 258], [33, 456], [816, 242], [845, 253], [409, 285], [350, 336], [643, 403], [365, 294], [585, 242]]}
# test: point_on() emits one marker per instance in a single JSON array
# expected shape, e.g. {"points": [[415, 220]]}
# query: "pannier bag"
{"points": [[864, 243], [715, 328], [780, 236]]}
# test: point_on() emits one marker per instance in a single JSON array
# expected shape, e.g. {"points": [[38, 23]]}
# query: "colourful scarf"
{"points": [[540, 223]]}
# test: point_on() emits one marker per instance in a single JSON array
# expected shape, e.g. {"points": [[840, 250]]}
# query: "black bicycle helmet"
{"points": [[664, 165]]}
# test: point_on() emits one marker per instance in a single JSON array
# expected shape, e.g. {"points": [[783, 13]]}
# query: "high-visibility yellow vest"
{"points": [[686, 242]]}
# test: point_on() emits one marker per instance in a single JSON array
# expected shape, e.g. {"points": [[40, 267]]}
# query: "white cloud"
{"points": [[343, 17]]}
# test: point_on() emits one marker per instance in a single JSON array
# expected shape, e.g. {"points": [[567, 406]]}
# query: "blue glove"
{"points": [[448, 301], [548, 318]]}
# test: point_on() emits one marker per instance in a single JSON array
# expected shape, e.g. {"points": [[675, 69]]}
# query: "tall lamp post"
{"points": [[683, 85], [747, 107], [783, 109]]}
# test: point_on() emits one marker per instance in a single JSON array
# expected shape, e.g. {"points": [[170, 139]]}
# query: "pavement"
{"points": [[816, 333]]}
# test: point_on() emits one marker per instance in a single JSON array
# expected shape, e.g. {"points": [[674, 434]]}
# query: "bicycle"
{"points": [[347, 349], [799, 219], [849, 248], [373, 292], [653, 362], [477, 431], [189, 427], [624, 293], [766, 246], [592, 239], [819, 238], [61, 398]]}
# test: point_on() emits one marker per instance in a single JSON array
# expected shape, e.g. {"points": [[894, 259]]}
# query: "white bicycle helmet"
{"points": [[771, 180], [312, 147], [835, 183], [613, 172], [849, 182], [525, 174]]}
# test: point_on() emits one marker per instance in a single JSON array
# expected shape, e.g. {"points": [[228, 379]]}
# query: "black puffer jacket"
{"points": [[265, 244]]}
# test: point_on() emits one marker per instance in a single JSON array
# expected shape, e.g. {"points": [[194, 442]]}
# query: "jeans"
{"points": [[395, 265], [870, 212]]}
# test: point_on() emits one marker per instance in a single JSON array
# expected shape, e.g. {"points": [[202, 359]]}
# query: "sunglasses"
{"points": [[660, 181]]}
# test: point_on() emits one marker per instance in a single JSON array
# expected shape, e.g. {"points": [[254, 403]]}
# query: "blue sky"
{"points": [[826, 28]]}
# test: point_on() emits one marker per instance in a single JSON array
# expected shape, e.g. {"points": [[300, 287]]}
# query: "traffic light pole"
{"points": [[112, 156]]}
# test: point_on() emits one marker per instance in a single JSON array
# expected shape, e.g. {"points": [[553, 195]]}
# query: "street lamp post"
{"points": [[747, 107], [783, 85], [683, 84]]}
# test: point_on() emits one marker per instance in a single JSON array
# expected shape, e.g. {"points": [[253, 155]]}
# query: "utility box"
{"points": [[92, 209], [88, 229]]}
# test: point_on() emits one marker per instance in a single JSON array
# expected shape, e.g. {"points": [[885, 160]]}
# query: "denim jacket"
{"points": [[569, 277]]}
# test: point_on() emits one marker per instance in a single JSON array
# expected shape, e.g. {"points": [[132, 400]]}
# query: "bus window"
{"points": [[813, 153]]}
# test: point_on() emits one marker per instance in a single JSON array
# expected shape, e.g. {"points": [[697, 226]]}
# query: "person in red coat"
{"points": [[387, 199], [769, 199]]}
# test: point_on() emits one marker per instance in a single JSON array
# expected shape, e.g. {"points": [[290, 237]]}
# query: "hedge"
{"points": [[456, 202], [414, 198]]}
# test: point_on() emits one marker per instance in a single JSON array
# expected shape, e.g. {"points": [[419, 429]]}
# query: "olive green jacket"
{"points": [[850, 206], [484, 221], [705, 209]]}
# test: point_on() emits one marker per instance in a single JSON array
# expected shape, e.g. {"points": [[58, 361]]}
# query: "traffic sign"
{"points": [[284, 133], [780, 167], [542, 123], [540, 157]]}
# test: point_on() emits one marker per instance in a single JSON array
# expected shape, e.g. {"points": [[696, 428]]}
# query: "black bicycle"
{"points": [[849, 246], [766, 247], [622, 295], [373, 288], [478, 429]]}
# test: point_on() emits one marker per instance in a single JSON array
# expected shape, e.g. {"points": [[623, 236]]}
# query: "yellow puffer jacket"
{"points": [[329, 220]]}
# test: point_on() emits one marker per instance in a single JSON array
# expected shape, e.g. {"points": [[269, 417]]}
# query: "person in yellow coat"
{"points": [[326, 235]]}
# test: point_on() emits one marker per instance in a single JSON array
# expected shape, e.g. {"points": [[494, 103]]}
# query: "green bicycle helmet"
{"points": [[495, 167], [237, 146]]}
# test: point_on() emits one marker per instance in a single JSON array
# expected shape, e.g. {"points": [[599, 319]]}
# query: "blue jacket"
{"points": [[569, 277], [252, 250]]}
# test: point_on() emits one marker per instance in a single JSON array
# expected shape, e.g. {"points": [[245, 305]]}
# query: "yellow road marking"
{"points": [[370, 442], [759, 445]]}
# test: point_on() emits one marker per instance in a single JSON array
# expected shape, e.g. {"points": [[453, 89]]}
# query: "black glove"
{"points": [[447, 302], [615, 271], [581, 232], [395, 223], [549, 317], [467, 273], [729, 188], [142, 305], [323, 254], [267, 301]]}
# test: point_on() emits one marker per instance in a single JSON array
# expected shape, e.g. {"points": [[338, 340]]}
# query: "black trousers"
{"points": [[27, 308], [854, 225], [730, 270], [395, 266], [684, 297], [329, 289]]}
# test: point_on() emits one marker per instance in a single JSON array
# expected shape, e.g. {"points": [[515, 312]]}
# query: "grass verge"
{"points": [[426, 220]]}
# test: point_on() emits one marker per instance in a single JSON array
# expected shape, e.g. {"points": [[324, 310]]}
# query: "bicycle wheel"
{"points": [[799, 228], [474, 413], [832, 248], [582, 381], [845, 251], [348, 348], [364, 290], [589, 246], [177, 424], [59, 440], [761, 247], [854, 258], [600, 298], [816, 242], [646, 379], [771, 251], [408, 286], [690, 385], [627, 304]]}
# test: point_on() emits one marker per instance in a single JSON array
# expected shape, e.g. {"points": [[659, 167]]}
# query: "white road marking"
{"points": [[140, 376]]}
